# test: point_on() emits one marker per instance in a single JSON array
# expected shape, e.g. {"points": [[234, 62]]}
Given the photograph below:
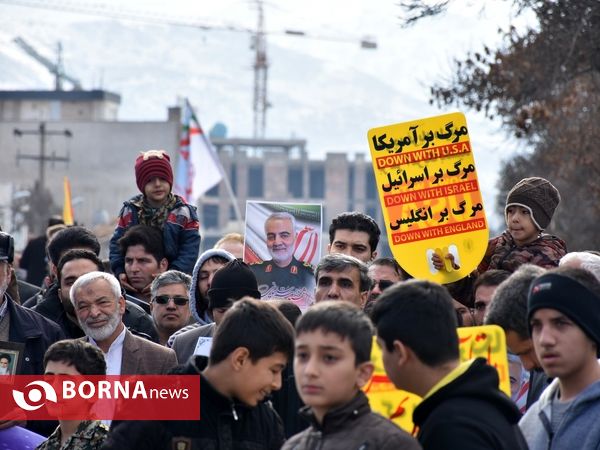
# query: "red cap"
{"points": [[150, 164]]}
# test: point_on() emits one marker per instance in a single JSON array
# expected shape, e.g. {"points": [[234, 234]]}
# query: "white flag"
{"points": [[199, 166]]}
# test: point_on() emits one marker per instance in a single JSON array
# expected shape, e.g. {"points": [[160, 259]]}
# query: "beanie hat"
{"points": [[568, 296], [536, 194], [150, 164], [230, 283]]}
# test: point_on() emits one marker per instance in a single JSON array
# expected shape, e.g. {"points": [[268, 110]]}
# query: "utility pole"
{"points": [[261, 66], [42, 132]]}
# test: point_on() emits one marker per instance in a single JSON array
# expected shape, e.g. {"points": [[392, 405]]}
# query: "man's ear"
{"points": [[374, 255], [53, 270], [122, 305], [364, 373], [239, 358], [364, 295], [402, 353], [163, 265], [328, 248]]}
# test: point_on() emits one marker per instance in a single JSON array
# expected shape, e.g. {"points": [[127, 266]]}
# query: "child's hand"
{"points": [[438, 263]]}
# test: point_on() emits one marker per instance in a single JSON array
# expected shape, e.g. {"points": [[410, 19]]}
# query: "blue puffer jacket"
{"points": [[181, 235]]}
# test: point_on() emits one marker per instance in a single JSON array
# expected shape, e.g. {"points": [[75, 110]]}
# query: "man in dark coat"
{"points": [[462, 406], [22, 326]]}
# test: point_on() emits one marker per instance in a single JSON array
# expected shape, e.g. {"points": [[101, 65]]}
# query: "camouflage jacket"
{"points": [[503, 253], [90, 435]]}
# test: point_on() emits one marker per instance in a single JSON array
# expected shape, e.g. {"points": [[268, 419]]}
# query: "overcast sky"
{"points": [[405, 64]]}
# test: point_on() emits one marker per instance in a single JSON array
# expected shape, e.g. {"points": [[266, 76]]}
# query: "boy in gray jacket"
{"points": [[331, 363], [564, 319]]}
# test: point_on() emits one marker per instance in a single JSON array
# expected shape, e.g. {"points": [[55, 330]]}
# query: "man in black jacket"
{"points": [[462, 406], [249, 352]]}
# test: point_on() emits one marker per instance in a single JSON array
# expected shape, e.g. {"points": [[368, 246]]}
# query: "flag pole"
{"points": [[233, 199]]}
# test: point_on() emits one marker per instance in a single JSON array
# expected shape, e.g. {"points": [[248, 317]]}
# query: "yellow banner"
{"points": [[67, 205], [430, 195], [486, 341]]}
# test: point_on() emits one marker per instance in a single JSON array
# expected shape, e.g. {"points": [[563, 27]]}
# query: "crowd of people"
{"points": [[278, 377]]}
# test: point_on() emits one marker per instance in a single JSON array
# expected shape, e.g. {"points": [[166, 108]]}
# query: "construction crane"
{"points": [[260, 102], [56, 69]]}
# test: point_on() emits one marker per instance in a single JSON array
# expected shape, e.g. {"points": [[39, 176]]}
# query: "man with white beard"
{"points": [[99, 306]]}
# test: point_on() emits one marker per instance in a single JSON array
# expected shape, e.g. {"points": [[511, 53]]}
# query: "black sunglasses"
{"points": [[383, 284], [164, 299]]}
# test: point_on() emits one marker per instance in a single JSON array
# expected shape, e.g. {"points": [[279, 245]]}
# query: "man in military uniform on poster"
{"points": [[283, 270]]}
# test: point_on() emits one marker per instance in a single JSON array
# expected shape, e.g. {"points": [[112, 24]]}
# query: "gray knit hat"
{"points": [[536, 194]]}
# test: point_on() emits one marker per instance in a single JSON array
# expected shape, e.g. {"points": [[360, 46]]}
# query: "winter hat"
{"points": [[232, 282], [568, 296], [150, 164], [196, 274], [536, 194]]}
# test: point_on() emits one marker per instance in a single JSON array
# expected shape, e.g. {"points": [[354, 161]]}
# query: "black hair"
{"points": [[490, 278], [392, 263], [255, 325], [356, 221], [462, 290], [344, 319], [508, 308], [419, 314], [69, 238], [86, 358], [288, 308], [148, 237], [6, 356], [78, 253]]}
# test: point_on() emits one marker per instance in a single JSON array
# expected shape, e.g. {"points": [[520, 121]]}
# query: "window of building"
{"points": [[351, 181], [256, 181], [233, 177], [295, 182], [371, 190], [213, 191], [210, 216], [317, 182]]}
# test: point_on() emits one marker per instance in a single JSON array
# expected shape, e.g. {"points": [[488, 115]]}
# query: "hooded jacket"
{"points": [[181, 238], [469, 412], [225, 424], [578, 429], [503, 253], [351, 426], [201, 318]]}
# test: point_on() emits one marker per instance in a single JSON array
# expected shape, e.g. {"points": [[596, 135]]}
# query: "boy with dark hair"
{"points": [[462, 406], [158, 207], [332, 362], [250, 350], [564, 319], [355, 234], [74, 357]]}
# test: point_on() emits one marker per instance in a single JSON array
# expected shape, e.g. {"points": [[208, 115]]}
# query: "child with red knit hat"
{"points": [[158, 207]]}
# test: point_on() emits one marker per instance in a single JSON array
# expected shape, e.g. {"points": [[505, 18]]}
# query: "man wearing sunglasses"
{"points": [[383, 272], [169, 304]]}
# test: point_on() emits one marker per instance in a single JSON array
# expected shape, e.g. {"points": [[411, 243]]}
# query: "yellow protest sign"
{"points": [[486, 342], [430, 195]]}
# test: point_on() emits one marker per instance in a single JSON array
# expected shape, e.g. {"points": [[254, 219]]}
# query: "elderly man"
{"points": [[99, 306], [582, 260], [170, 303], [342, 277], [283, 276]]}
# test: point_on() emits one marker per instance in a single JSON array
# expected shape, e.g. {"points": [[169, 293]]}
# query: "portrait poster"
{"points": [[283, 246], [11, 354], [430, 195]]}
